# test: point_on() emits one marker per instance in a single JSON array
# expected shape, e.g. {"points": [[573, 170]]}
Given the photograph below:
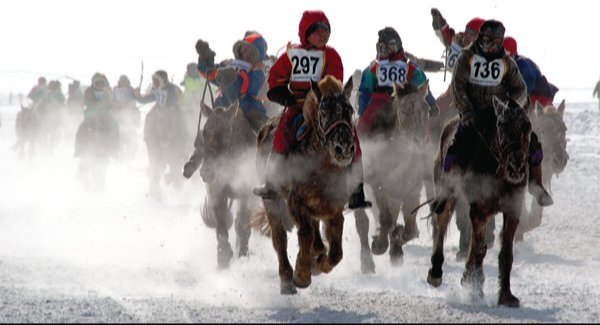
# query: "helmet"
{"points": [[389, 42], [491, 37], [475, 24], [510, 45]]}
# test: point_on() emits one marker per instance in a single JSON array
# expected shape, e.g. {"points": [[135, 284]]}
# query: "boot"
{"points": [[535, 187], [269, 190], [192, 165], [357, 197]]}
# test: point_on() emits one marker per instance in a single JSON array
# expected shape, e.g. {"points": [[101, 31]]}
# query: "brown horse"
{"points": [[315, 189], [394, 160], [228, 140], [551, 130], [491, 179], [27, 128]]}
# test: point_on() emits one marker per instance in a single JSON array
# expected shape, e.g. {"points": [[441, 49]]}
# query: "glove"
{"points": [[191, 166], [438, 20], [206, 56], [467, 118], [226, 76], [281, 95]]}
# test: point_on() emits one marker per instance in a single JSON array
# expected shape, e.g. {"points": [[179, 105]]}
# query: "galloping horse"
{"points": [[316, 188], [27, 128], [550, 127], [228, 140], [491, 179], [394, 164]]}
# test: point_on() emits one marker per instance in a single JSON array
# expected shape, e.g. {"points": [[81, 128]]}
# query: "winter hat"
{"points": [[163, 78], [388, 43], [475, 24], [510, 45], [124, 81], [494, 30], [310, 18], [99, 81], [255, 43]]}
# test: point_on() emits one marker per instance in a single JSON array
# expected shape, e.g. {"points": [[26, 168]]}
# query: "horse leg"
{"points": [[473, 276], [334, 227], [505, 260], [440, 227], [242, 227], [304, 259], [381, 240], [279, 239], [318, 248], [463, 223], [367, 265], [396, 239], [224, 251]]}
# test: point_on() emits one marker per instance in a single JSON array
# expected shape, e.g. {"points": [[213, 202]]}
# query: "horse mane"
{"points": [[327, 86]]}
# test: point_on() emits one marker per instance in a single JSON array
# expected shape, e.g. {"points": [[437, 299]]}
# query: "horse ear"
{"points": [[424, 89], [398, 89], [206, 111], [499, 105], [233, 109], [348, 88], [315, 88], [561, 108]]}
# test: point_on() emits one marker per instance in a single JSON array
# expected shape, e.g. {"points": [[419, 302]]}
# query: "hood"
{"points": [[309, 18]]}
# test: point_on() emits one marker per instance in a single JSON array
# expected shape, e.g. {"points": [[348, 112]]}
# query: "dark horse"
{"points": [[491, 178], [551, 130], [316, 189], [394, 165], [27, 128], [228, 142]]}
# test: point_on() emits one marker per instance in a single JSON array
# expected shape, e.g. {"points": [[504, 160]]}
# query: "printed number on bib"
{"points": [[389, 73], [239, 65], [486, 73], [453, 53], [306, 65]]}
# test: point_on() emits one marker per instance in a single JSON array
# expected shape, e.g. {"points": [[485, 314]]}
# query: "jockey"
{"points": [[38, 91], [98, 97], [473, 95], [123, 93], [163, 92], [193, 84], [239, 79], [289, 87], [454, 43], [376, 85], [538, 88]]}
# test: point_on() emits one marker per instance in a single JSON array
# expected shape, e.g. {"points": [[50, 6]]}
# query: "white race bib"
{"points": [[161, 97], [121, 95], [240, 65], [390, 72], [453, 53], [486, 73], [306, 65]]}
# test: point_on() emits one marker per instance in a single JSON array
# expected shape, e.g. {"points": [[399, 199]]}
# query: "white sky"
{"points": [[77, 38]]}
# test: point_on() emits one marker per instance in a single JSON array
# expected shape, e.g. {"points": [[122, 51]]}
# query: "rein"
{"points": [[335, 124]]}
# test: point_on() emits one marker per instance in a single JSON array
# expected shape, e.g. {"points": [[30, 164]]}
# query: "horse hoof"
{"points": [[243, 252], [397, 261], [367, 265], [379, 245], [224, 256], [434, 282], [508, 300], [396, 255], [301, 283], [287, 288]]}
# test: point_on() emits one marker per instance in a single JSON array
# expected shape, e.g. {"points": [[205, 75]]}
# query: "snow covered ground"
{"points": [[69, 255]]}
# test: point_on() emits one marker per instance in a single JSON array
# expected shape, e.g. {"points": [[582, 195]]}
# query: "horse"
{"points": [[315, 189], [27, 128], [394, 165], [492, 178], [96, 141], [447, 111], [228, 139], [551, 130], [166, 139]]}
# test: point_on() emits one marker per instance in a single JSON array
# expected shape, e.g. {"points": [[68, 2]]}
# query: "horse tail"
{"points": [[260, 223], [208, 215]]}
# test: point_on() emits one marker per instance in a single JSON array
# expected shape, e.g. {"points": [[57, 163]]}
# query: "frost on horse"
{"points": [[395, 161], [491, 178], [315, 189]]}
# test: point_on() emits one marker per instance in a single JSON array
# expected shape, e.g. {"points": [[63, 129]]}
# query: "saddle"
{"points": [[300, 127]]}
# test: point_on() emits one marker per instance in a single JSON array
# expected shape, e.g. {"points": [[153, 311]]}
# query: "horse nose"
{"points": [[338, 149]]}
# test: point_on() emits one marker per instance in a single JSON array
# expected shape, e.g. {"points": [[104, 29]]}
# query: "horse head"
{"points": [[550, 127], [216, 136], [513, 137], [412, 113], [328, 112]]}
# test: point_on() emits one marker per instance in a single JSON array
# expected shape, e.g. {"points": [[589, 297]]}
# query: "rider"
{"points": [[192, 84], [376, 85], [473, 94], [538, 87], [454, 43], [239, 79], [289, 86], [38, 91]]}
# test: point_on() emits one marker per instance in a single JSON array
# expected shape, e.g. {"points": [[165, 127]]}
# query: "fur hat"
{"points": [[257, 47], [97, 80]]}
